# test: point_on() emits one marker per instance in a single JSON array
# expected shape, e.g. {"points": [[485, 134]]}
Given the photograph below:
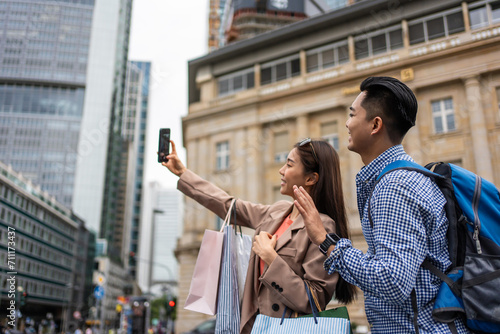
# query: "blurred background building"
{"points": [[48, 251], [44, 48], [134, 130], [158, 266], [234, 20], [251, 100]]}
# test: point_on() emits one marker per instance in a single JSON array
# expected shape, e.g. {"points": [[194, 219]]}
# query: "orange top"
{"points": [[284, 226]]}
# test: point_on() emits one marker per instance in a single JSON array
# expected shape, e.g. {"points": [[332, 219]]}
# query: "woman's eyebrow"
{"points": [[290, 160]]}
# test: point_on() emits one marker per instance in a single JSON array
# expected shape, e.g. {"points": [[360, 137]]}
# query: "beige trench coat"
{"points": [[281, 283]]}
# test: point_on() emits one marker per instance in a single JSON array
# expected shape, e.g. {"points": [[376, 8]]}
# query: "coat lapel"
{"points": [[287, 235]]}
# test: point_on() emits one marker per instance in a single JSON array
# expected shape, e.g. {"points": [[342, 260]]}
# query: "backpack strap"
{"points": [[401, 164], [414, 305], [454, 286]]}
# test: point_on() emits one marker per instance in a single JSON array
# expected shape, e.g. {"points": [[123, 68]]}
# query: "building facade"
{"points": [[43, 60], [134, 128], [100, 146], [249, 102], [45, 255]]}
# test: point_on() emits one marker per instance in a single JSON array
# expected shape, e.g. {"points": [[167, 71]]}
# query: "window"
{"points": [[378, 42], [443, 115], [280, 69], [222, 155], [235, 82], [330, 133], [436, 26], [280, 147], [327, 56], [484, 13]]}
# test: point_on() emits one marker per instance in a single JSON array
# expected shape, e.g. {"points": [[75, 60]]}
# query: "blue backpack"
{"points": [[471, 285]]}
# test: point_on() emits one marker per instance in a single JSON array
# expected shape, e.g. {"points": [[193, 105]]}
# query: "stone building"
{"points": [[252, 100]]}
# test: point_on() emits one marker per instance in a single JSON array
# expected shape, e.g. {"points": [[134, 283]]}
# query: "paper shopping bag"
{"points": [[202, 296], [228, 305], [329, 322]]}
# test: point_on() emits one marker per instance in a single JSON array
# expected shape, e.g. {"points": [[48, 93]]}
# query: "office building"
{"points": [[99, 164], [158, 266], [249, 102], [43, 60], [230, 21], [216, 31], [47, 251], [134, 127]]}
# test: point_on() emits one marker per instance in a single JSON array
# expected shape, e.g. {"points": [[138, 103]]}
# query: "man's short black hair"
{"points": [[393, 101]]}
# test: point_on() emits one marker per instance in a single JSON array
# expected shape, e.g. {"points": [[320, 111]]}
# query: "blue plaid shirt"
{"points": [[409, 224]]}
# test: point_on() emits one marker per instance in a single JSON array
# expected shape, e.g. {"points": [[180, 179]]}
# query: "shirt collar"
{"points": [[373, 169]]}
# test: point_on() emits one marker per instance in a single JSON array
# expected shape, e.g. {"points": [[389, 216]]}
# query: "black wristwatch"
{"points": [[331, 239]]}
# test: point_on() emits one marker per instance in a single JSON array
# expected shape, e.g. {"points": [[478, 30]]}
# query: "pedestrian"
{"points": [[407, 213], [282, 257]]}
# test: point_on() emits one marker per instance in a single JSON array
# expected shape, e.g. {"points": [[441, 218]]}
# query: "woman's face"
{"points": [[292, 173]]}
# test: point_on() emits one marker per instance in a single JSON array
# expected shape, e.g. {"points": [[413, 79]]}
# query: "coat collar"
{"points": [[278, 217]]}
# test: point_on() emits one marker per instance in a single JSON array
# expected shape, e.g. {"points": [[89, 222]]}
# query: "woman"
{"points": [[282, 256]]}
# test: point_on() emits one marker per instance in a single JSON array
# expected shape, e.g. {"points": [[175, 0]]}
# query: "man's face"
{"points": [[358, 127]]}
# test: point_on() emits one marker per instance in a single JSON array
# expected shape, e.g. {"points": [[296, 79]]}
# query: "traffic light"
{"points": [[170, 306], [23, 298]]}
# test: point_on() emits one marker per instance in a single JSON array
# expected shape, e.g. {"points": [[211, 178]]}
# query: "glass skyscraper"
{"points": [[43, 60], [134, 131], [99, 159]]}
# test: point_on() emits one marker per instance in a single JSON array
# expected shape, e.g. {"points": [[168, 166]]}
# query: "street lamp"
{"points": [[151, 249]]}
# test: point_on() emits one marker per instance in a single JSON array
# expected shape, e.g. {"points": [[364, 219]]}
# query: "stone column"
{"points": [[253, 163], [302, 128], [479, 133]]}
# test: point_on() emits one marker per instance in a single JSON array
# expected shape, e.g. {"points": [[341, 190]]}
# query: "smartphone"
{"points": [[163, 145]]}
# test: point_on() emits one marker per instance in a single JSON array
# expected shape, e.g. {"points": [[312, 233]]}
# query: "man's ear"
{"points": [[312, 179], [377, 124]]}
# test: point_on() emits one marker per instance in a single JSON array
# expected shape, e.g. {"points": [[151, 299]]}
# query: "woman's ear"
{"points": [[312, 179]]}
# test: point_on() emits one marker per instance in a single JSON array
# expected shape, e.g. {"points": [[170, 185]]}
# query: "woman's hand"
{"points": [[314, 226], [263, 246], [174, 164]]}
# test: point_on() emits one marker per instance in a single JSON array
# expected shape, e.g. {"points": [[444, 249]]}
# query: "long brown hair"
{"points": [[328, 196]]}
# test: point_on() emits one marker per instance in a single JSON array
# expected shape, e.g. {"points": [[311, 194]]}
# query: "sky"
{"points": [[167, 33]]}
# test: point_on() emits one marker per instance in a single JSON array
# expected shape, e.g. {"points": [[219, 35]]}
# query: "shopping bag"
{"points": [[338, 312], [234, 266], [202, 296], [228, 304], [242, 246], [313, 324]]}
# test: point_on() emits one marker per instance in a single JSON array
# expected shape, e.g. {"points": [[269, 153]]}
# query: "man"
{"points": [[407, 212]]}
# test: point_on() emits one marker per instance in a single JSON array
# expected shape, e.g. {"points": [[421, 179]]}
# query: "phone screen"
{"points": [[163, 145]]}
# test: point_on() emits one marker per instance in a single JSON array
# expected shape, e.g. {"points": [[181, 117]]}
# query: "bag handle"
{"points": [[234, 221], [228, 215], [314, 306], [314, 297]]}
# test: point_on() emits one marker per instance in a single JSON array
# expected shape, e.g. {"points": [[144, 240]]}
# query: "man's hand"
{"points": [[310, 214]]}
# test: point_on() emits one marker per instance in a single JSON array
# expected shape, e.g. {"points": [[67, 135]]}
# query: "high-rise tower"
{"points": [[43, 61], [99, 168], [134, 133]]}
